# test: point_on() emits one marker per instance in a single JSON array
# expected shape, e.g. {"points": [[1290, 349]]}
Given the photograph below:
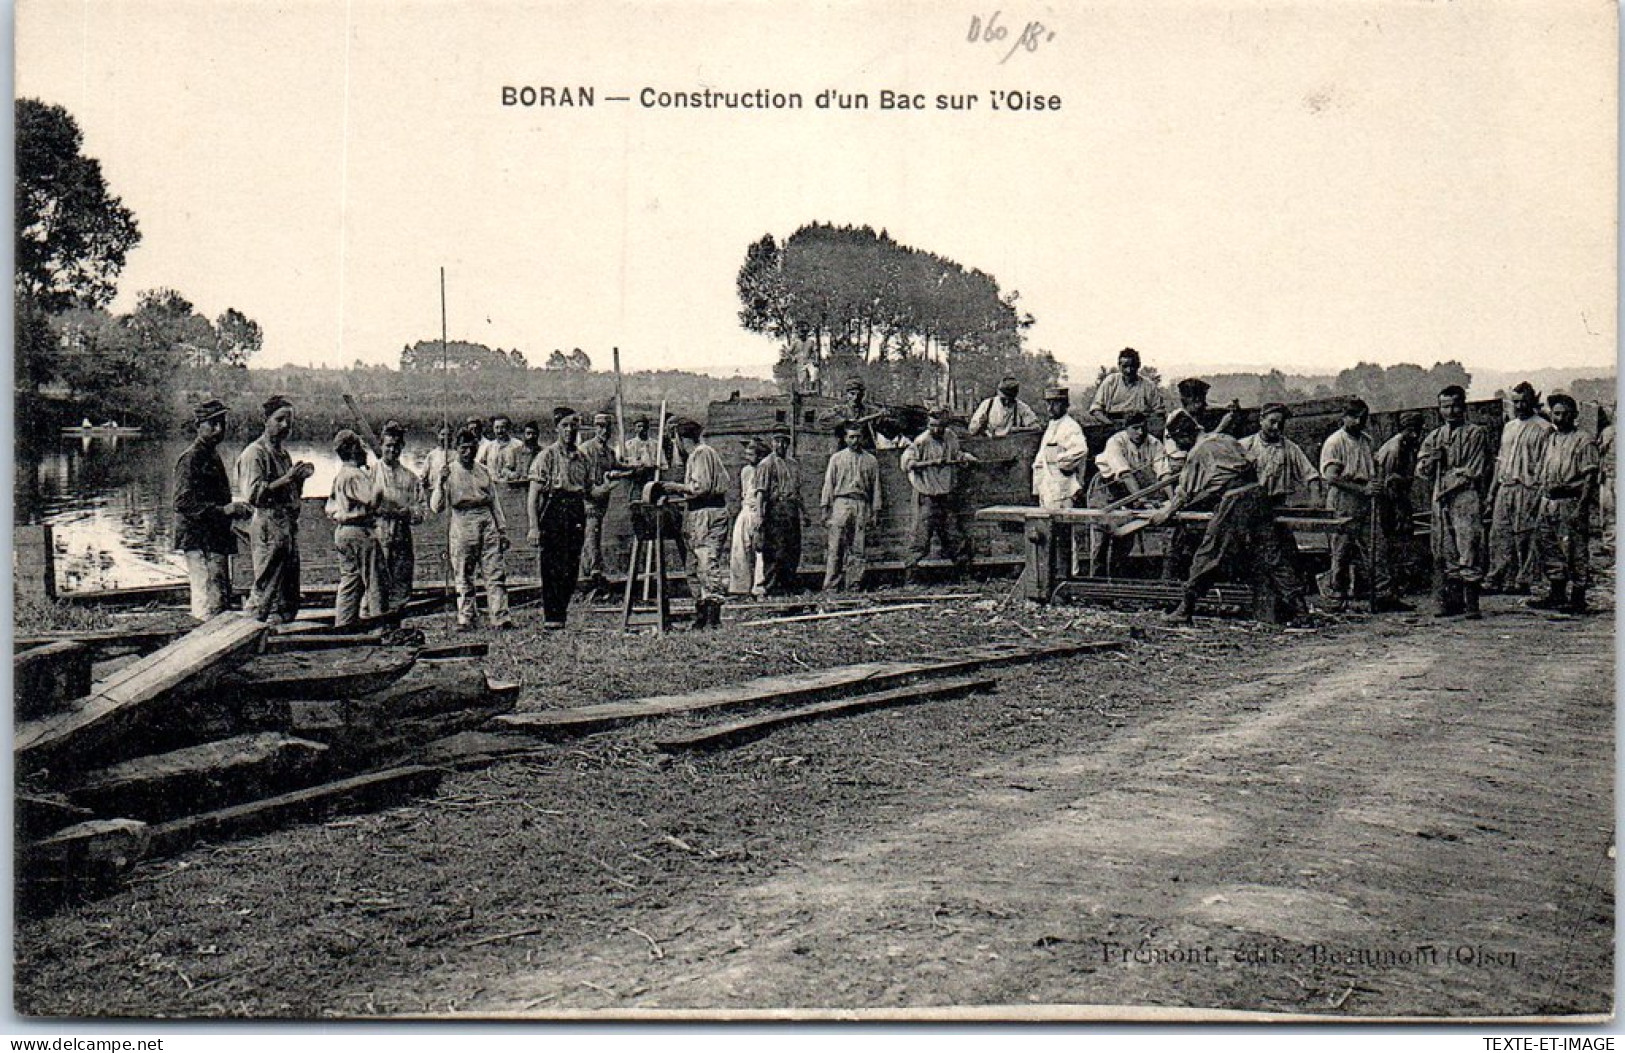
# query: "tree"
{"points": [[72, 235], [237, 338]]}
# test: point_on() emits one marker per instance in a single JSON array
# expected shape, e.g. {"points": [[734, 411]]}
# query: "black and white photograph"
{"points": [[869, 511]]}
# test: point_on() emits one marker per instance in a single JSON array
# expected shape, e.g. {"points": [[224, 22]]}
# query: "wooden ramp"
{"points": [[806, 687], [113, 703]]}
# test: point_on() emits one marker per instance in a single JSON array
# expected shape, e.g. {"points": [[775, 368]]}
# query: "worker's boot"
{"points": [[1184, 614], [1449, 598], [1469, 596], [1577, 600], [1556, 598], [702, 615]]}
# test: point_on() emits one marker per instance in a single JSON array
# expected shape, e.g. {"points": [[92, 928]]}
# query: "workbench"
{"points": [[1048, 533]]}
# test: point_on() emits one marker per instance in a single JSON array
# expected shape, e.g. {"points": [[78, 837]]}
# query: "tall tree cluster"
{"points": [[1400, 386], [916, 326]]}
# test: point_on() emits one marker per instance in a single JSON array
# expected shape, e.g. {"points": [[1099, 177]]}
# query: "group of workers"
{"points": [[1538, 496]]}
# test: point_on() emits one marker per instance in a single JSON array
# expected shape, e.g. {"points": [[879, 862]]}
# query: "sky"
{"points": [[1292, 185]]}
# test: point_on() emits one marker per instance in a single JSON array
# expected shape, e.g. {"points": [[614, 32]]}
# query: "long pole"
{"points": [[620, 409], [445, 424]]}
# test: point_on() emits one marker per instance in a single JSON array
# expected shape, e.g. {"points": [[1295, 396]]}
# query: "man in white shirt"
{"points": [[1003, 413]]}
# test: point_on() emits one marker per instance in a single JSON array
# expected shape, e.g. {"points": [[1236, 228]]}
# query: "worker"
{"points": [[557, 513], [642, 451], [402, 502], [439, 457], [1124, 391], [531, 436], [504, 456], [1240, 537], [705, 522], [1348, 467], [745, 569], [477, 426], [1396, 510], [604, 474], [478, 535], [353, 506], [1605, 483], [931, 465], [1125, 467], [1061, 453], [778, 480], [851, 502], [1002, 413], [1285, 472], [1568, 477], [1193, 402], [204, 511], [876, 423], [1516, 496], [1455, 460], [273, 483]]}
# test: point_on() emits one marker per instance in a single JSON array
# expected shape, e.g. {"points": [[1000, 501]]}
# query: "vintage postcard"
{"points": [[696, 510]]}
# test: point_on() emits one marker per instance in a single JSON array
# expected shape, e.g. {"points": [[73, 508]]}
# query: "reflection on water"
{"points": [[107, 502]]}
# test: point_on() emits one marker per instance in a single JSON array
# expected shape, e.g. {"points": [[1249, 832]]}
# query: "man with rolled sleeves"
{"points": [[1124, 467], [851, 503], [705, 522], [557, 512], [1455, 460], [204, 510], [1348, 467], [604, 473], [931, 464], [1568, 478], [272, 482]]}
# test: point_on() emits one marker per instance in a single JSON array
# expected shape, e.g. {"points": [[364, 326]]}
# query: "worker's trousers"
{"points": [[706, 532], [937, 516], [1564, 534], [843, 567], [209, 574], [561, 528], [399, 561], [274, 544], [475, 545], [1514, 561], [361, 573], [1458, 537]]}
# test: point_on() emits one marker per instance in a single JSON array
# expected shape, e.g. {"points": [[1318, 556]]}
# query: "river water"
{"points": [[107, 502]]}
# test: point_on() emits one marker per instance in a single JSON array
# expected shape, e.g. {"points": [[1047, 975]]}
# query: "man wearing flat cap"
{"points": [[204, 511], [272, 482], [558, 517], [604, 473], [1396, 509], [1568, 479], [1003, 413], [931, 464], [705, 522], [1061, 454], [778, 480]]}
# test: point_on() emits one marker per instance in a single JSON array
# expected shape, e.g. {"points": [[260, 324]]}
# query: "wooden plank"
{"points": [[339, 674], [48, 677], [211, 775], [278, 644], [824, 615], [740, 731], [375, 789], [109, 643], [439, 652], [192, 662], [38, 816], [816, 685], [84, 858]]}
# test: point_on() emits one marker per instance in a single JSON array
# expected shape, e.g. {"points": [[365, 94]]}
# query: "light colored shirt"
{"points": [[354, 496], [1354, 461], [932, 465], [706, 475], [1605, 452], [1567, 458], [1282, 466], [468, 489], [643, 453], [1523, 443], [1116, 395], [600, 457], [504, 459], [779, 479], [258, 466], [400, 491], [1123, 457], [995, 418], [1061, 453], [433, 461], [852, 474], [1219, 464], [1454, 458], [557, 468]]}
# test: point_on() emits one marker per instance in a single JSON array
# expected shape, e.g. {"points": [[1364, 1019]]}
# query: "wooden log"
{"points": [[825, 615], [114, 705], [38, 816], [740, 731], [33, 563], [208, 776], [816, 685], [87, 857], [361, 792], [324, 675], [440, 652], [278, 644], [48, 677], [109, 643]]}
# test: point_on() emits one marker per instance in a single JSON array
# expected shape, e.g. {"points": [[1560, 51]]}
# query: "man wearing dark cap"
{"points": [[604, 473], [705, 522], [642, 451], [1241, 536], [1396, 509], [1003, 413], [1192, 403], [1455, 461], [778, 479], [204, 510], [1124, 391], [1062, 453], [1568, 476], [558, 518], [271, 482], [931, 464], [1516, 495], [1348, 467]]}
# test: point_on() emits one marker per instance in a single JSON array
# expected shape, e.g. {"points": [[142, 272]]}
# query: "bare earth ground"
{"points": [[1384, 816]]}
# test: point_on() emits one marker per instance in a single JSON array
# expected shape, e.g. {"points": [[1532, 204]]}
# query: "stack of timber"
{"points": [[222, 731]]}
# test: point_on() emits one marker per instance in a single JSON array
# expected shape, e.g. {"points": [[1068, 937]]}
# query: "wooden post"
{"points": [[620, 409], [1043, 557], [33, 563]]}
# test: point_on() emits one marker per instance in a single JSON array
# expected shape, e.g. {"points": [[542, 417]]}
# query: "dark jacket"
{"points": [[201, 488]]}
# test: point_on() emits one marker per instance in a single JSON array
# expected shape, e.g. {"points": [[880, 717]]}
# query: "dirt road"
{"points": [[1390, 817]]}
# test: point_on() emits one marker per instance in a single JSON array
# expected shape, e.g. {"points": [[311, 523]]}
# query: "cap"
{"points": [[1057, 392], [1194, 388], [274, 403], [1133, 418], [855, 384], [602, 418], [781, 432], [684, 425], [1009, 384], [1561, 399], [561, 412], [344, 440], [642, 418], [942, 414], [1274, 407], [1181, 422], [1411, 420], [207, 411]]}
